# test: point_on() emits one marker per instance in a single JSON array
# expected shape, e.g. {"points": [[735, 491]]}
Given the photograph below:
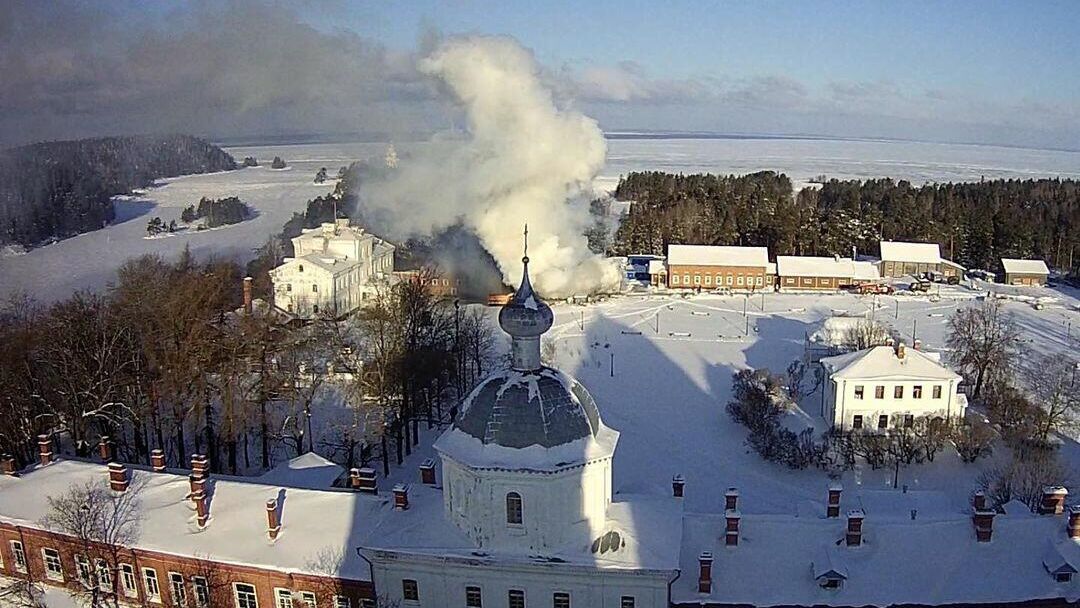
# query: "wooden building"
{"points": [[713, 267], [797, 273], [912, 259], [1025, 272]]}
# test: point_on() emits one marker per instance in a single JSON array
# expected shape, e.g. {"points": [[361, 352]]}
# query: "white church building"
{"points": [[334, 269], [525, 515], [885, 387]]}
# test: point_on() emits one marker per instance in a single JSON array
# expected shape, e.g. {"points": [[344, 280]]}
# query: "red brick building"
{"points": [[711, 267]]}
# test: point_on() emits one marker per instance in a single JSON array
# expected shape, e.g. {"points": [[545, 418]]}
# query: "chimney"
{"points": [[1074, 522], [731, 499], [196, 485], [731, 533], [427, 472], [704, 581], [157, 460], [200, 466], [900, 351], [832, 508], [917, 344], [978, 501], [854, 527], [7, 464], [1053, 500], [105, 449], [984, 525], [678, 485], [273, 521], [365, 481], [118, 477], [401, 496], [45, 452], [247, 295], [202, 510]]}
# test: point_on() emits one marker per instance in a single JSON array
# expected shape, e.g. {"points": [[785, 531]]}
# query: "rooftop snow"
{"points": [[810, 266], [716, 255], [1015, 266], [882, 362], [308, 470], [920, 253]]}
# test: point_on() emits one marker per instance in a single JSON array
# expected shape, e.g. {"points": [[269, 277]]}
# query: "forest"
{"points": [[976, 223], [217, 212], [59, 189]]}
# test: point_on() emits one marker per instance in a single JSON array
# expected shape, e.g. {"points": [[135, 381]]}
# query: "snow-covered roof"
{"points": [[717, 255], [813, 266], [1062, 556], [833, 331], [1015, 266], [865, 271], [900, 561], [921, 253], [829, 563], [657, 267], [883, 362], [322, 261], [305, 471]]}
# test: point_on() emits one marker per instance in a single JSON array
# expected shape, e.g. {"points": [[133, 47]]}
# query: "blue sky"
{"points": [[987, 71]]}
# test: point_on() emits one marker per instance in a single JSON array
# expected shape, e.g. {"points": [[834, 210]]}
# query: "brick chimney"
{"points": [[196, 486], [401, 496], [427, 472], [1074, 522], [1053, 500], [273, 520], [984, 525], [365, 481], [202, 509], [704, 581], [832, 507], [731, 532], [247, 295], [678, 486], [900, 351], [200, 466], [853, 538], [118, 477], [978, 501], [7, 464], [731, 499], [45, 449], [105, 449], [157, 460]]}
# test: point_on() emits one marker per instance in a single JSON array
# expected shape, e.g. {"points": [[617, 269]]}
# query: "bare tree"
{"points": [[1054, 383], [102, 523], [866, 333], [796, 373], [931, 434], [1024, 478], [973, 440], [984, 343]]}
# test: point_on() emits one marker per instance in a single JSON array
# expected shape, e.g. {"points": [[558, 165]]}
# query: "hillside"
{"points": [[59, 189]]}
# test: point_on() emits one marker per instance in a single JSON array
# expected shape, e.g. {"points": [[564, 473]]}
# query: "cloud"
{"points": [[627, 81]]}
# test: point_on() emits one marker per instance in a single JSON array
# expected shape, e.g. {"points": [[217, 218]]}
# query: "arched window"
{"points": [[513, 508]]}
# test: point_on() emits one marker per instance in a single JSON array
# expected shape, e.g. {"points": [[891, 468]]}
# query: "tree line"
{"points": [[975, 223], [59, 189]]}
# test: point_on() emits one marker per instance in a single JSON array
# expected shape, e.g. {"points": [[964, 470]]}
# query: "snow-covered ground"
{"points": [[90, 260]]}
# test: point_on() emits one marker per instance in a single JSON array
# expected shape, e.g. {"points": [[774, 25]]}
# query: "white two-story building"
{"points": [[335, 268], [886, 387]]}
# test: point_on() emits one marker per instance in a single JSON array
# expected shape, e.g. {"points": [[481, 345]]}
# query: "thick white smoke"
{"points": [[523, 160]]}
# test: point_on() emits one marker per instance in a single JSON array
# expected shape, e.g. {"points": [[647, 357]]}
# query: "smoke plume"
{"points": [[523, 159]]}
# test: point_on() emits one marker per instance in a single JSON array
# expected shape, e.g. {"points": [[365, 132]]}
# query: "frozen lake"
{"points": [[90, 260]]}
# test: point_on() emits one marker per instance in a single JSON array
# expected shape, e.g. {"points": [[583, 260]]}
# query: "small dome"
{"points": [[525, 315], [515, 409]]}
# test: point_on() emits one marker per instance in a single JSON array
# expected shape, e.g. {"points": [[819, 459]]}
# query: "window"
{"points": [[301, 268], [916, 391], [789, 280], [730, 279], [202, 591], [516, 598], [760, 281], [18, 555], [315, 308], [856, 422], [288, 287], [686, 279], [367, 603], [245, 596], [409, 590], [807, 281], [830, 583], [937, 391], [858, 391], [176, 586], [697, 279], [708, 279], [315, 288], [82, 569], [283, 598], [674, 279], [627, 601], [879, 392], [340, 601], [513, 509], [127, 580], [898, 392], [473, 598], [883, 421], [909, 421], [104, 574], [307, 599], [53, 568], [562, 599], [150, 583], [1063, 577]]}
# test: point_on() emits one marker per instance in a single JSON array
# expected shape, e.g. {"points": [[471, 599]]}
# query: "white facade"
{"points": [[887, 387], [335, 268]]}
